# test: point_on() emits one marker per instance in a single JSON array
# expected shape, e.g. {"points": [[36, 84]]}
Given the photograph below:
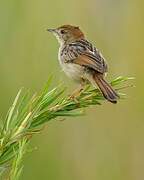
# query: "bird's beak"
{"points": [[51, 30]]}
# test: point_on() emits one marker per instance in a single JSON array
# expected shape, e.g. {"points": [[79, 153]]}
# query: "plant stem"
{"points": [[28, 114]]}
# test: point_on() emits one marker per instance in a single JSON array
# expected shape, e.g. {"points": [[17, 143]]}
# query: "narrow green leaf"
{"points": [[11, 111]]}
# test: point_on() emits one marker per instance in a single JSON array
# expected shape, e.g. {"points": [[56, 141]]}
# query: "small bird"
{"points": [[81, 61]]}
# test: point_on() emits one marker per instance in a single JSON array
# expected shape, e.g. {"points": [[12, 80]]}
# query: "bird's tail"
{"points": [[106, 89]]}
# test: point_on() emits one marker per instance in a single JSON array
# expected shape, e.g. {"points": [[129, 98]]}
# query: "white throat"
{"points": [[61, 41]]}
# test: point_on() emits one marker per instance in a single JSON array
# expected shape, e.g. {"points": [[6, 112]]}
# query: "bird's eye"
{"points": [[62, 32]]}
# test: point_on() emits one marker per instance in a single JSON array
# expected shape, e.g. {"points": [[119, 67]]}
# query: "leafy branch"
{"points": [[28, 114]]}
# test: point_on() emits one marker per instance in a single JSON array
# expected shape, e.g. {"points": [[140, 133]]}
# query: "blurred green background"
{"points": [[107, 143]]}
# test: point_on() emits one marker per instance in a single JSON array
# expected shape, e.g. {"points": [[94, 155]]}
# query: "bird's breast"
{"points": [[74, 71]]}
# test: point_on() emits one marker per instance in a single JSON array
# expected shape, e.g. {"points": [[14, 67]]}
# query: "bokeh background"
{"points": [[107, 143]]}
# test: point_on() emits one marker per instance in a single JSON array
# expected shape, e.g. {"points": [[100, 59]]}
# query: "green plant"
{"points": [[29, 113]]}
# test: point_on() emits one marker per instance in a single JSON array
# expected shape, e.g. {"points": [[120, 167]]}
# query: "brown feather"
{"points": [[73, 30], [106, 89], [83, 60]]}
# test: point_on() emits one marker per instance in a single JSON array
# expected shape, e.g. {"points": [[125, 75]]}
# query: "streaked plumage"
{"points": [[84, 49]]}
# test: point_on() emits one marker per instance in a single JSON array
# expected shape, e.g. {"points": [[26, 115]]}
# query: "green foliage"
{"points": [[29, 113]]}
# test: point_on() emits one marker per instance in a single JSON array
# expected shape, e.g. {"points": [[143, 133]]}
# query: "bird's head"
{"points": [[67, 33]]}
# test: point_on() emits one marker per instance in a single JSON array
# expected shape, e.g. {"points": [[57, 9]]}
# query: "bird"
{"points": [[82, 61]]}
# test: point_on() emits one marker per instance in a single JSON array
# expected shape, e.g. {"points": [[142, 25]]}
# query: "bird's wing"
{"points": [[83, 53]]}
